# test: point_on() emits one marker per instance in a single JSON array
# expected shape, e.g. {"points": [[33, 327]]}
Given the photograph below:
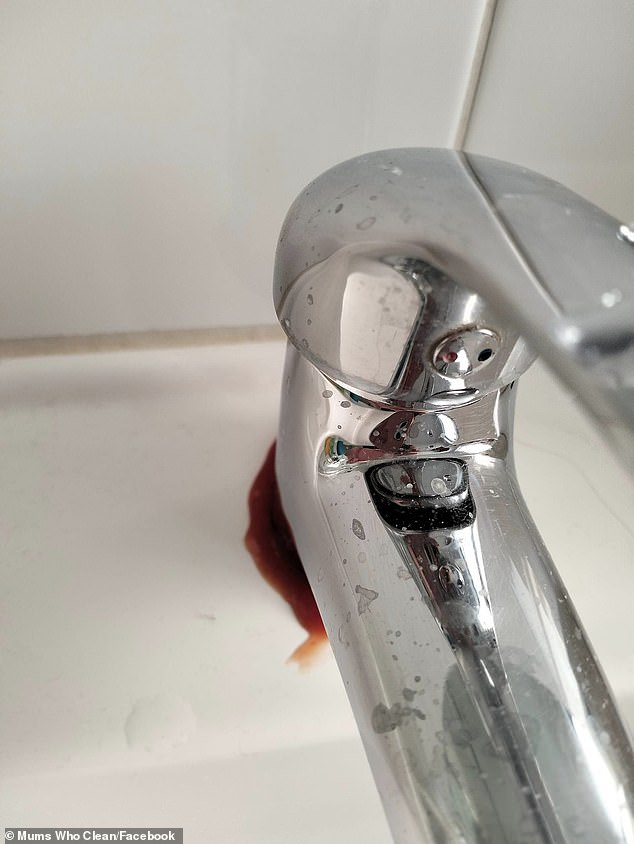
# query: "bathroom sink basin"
{"points": [[144, 661]]}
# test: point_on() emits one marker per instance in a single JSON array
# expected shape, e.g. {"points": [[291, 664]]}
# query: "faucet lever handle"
{"points": [[556, 269]]}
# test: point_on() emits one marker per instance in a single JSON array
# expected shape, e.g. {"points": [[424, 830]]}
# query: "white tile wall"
{"points": [[557, 95], [150, 148]]}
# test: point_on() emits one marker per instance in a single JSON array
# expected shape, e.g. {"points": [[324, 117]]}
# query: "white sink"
{"points": [[144, 668]]}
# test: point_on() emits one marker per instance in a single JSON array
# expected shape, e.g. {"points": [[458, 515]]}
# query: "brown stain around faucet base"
{"points": [[270, 542]]}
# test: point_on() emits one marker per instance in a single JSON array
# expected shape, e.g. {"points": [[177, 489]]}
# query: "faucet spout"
{"points": [[408, 283]]}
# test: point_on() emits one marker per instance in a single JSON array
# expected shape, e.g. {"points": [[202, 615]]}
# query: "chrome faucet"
{"points": [[410, 284]]}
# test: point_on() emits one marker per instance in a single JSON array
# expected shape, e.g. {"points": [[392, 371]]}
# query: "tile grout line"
{"points": [[475, 74], [138, 340]]}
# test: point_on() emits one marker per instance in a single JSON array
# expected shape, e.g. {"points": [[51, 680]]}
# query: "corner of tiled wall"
{"points": [[556, 94]]}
